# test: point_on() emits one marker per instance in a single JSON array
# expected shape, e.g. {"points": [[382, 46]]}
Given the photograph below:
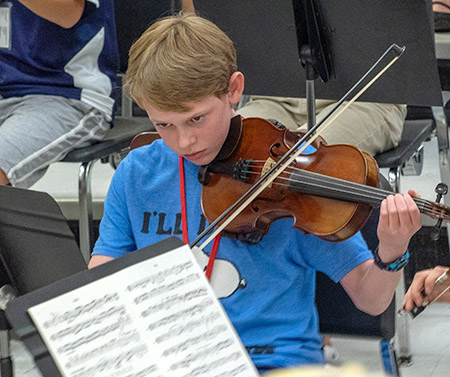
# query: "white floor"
{"points": [[429, 346], [429, 333]]}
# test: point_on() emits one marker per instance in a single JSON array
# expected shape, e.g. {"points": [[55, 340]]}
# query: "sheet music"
{"points": [[156, 318]]}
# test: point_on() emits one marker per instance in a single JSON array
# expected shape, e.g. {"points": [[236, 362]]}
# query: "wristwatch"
{"points": [[394, 266]]}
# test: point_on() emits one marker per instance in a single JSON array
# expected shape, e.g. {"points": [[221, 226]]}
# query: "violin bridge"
{"points": [[267, 165]]}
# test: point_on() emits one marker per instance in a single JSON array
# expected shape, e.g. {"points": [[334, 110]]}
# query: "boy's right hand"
{"points": [[97, 260]]}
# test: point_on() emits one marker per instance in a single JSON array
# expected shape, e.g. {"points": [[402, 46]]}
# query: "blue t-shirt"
{"points": [[81, 62], [267, 289]]}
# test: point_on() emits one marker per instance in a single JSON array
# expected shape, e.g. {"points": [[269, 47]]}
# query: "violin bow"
{"points": [[308, 138]]}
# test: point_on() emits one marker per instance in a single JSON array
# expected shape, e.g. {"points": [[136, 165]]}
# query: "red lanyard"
{"points": [[215, 246]]}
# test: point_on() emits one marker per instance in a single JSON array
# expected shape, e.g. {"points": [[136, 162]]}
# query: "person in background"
{"points": [[423, 289], [441, 13], [58, 64], [372, 127]]}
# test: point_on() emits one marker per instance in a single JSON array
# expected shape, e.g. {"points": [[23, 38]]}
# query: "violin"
{"points": [[260, 176], [329, 193]]}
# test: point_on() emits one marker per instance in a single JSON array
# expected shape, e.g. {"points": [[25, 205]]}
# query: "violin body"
{"points": [[262, 143]]}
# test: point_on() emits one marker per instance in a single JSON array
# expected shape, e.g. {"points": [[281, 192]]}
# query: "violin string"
{"points": [[343, 184], [371, 194], [379, 193], [323, 181], [424, 205], [338, 182]]}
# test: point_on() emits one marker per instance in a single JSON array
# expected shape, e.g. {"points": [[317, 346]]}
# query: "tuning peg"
{"points": [[441, 190]]}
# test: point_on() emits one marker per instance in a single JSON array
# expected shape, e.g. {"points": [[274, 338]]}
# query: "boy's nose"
{"points": [[186, 137]]}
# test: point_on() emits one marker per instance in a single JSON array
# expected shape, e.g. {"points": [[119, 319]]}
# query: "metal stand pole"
{"points": [[6, 368]]}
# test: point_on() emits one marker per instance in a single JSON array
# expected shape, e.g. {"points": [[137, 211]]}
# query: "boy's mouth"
{"points": [[194, 156]]}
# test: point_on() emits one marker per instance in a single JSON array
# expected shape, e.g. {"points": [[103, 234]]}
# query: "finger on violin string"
{"points": [[409, 213], [403, 212], [414, 211], [413, 193], [389, 212]]}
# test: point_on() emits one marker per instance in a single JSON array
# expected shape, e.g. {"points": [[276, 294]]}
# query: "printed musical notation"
{"points": [[156, 318]]}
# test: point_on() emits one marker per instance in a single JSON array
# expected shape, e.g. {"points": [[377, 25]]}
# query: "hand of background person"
{"points": [[423, 289]]}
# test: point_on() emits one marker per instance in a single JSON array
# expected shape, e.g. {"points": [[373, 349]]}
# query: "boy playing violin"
{"points": [[183, 72]]}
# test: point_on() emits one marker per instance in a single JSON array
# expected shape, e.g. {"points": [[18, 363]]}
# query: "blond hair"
{"points": [[179, 59]]}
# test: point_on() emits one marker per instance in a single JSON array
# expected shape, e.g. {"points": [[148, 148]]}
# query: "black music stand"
{"points": [[37, 248], [357, 33]]}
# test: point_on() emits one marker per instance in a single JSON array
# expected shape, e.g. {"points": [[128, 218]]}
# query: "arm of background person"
{"points": [[188, 6], [65, 13]]}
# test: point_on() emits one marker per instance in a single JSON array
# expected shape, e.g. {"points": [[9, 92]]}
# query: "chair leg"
{"points": [[401, 321], [394, 178], [7, 294], [443, 150], [389, 358], [402, 327], [6, 369], [86, 223]]}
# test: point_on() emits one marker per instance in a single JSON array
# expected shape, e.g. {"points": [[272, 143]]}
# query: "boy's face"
{"points": [[198, 134]]}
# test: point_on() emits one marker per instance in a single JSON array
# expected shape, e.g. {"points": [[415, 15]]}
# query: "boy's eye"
{"points": [[162, 125], [197, 118]]}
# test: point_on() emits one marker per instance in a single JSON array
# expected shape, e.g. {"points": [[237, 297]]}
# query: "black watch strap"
{"points": [[394, 266]]}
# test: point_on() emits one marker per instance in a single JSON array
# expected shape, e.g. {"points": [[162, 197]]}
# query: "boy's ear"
{"points": [[236, 87]]}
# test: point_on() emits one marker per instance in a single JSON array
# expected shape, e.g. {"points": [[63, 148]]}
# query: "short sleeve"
{"points": [[335, 259], [116, 236]]}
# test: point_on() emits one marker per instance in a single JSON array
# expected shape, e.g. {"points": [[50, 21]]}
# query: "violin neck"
{"points": [[334, 188]]}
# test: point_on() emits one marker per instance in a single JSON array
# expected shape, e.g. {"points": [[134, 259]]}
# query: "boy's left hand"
{"points": [[399, 220]]}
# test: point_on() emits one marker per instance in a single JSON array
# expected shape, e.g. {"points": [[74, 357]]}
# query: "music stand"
{"points": [[37, 248], [357, 33]]}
